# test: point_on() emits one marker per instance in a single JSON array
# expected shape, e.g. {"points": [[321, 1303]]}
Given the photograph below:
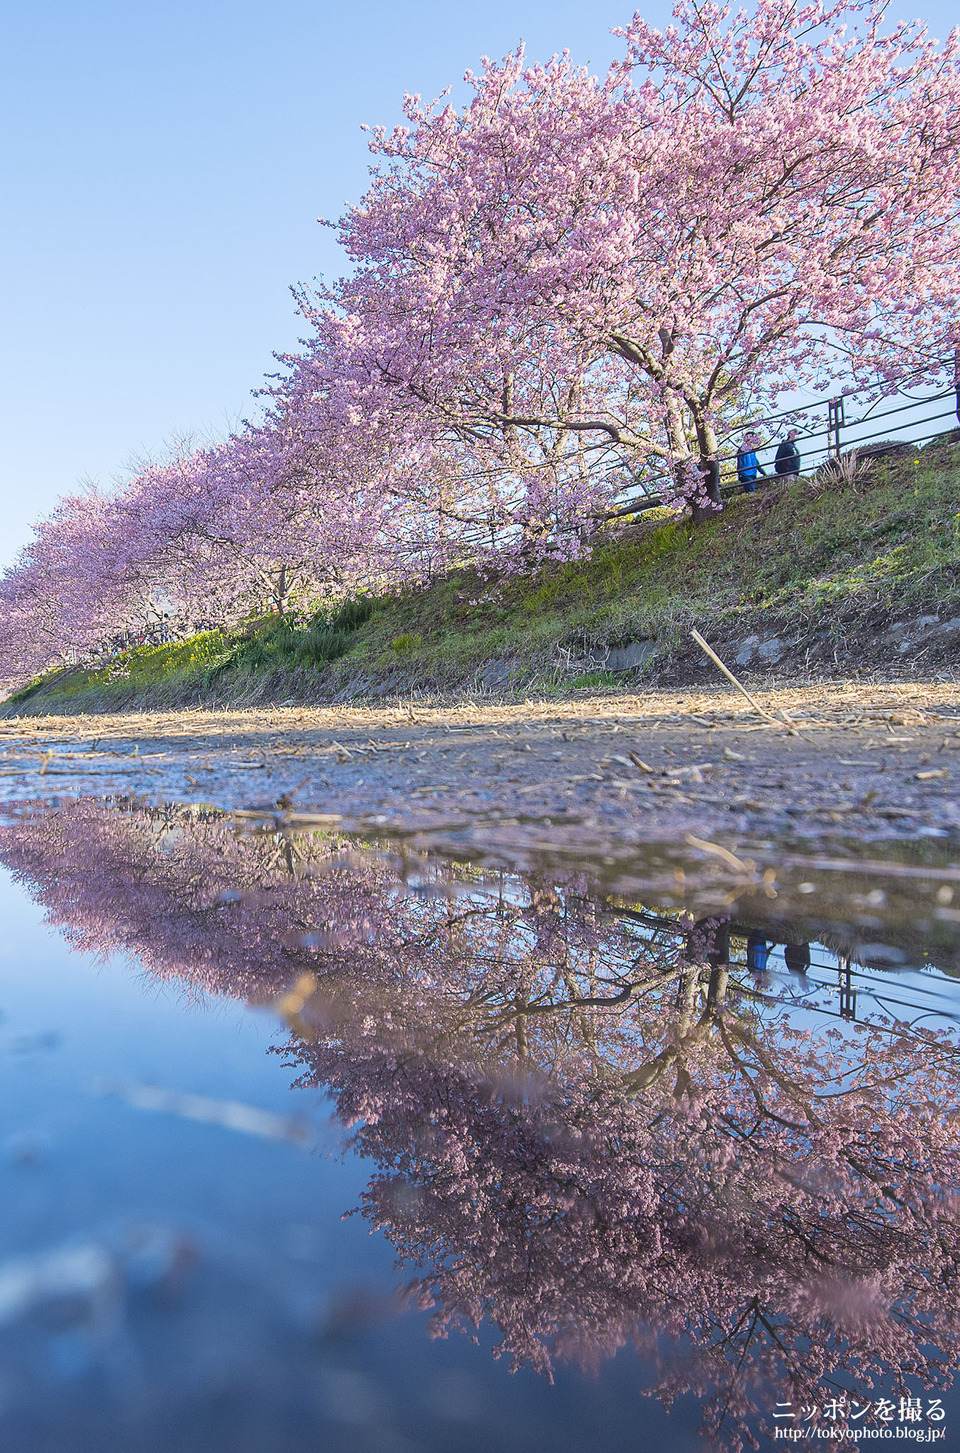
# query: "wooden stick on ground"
{"points": [[730, 677]]}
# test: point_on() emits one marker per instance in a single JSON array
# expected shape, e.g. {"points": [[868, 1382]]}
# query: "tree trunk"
{"points": [[709, 466], [280, 593]]}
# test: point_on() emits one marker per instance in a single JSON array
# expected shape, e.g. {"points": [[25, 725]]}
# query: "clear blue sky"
{"points": [[162, 172]]}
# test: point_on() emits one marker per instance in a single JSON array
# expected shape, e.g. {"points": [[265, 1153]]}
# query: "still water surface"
{"points": [[315, 1143]]}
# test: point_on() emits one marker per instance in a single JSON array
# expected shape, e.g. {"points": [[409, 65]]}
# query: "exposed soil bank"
{"points": [[855, 761]]}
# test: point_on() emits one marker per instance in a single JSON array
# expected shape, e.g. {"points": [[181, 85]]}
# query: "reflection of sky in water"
{"points": [[219, 1300], [175, 1270]]}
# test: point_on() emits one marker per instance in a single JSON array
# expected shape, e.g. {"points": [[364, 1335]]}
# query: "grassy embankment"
{"points": [[826, 570]]}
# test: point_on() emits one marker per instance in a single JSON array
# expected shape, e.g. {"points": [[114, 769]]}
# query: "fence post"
{"points": [[834, 425], [848, 994], [956, 378]]}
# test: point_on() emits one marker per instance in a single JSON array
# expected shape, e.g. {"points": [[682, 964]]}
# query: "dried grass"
{"points": [[830, 705], [849, 472]]}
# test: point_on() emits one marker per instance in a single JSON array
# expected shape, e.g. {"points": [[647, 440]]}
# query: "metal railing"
{"points": [[820, 442]]}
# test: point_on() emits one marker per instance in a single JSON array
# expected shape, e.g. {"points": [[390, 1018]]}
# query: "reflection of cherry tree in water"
{"points": [[234, 913], [590, 1130], [778, 1201], [196, 902]]}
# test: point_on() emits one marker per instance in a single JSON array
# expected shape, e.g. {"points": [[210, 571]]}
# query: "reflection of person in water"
{"points": [[796, 956], [757, 952]]}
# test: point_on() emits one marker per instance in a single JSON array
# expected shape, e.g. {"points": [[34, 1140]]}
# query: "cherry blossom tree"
{"points": [[215, 533], [58, 602], [745, 202]]}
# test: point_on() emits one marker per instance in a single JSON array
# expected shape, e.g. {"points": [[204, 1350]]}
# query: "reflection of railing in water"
{"points": [[585, 1121], [848, 994], [839, 973]]}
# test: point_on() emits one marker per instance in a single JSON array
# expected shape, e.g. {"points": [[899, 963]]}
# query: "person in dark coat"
{"points": [[796, 956], [787, 462], [748, 467]]}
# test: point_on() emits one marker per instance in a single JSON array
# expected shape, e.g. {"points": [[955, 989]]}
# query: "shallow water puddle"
{"points": [[675, 1126]]}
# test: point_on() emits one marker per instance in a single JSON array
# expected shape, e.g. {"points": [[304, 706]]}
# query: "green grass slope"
{"points": [[827, 569]]}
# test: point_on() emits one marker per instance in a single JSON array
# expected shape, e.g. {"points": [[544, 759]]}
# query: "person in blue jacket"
{"points": [[748, 466], [787, 462], [758, 951]]}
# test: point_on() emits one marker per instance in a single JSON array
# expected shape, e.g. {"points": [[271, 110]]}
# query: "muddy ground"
{"points": [[843, 760]]}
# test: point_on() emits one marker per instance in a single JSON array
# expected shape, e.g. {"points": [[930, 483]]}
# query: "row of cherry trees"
{"points": [[555, 287]]}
